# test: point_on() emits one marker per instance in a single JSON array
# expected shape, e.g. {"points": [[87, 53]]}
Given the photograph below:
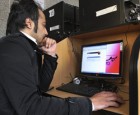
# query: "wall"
{"points": [[4, 11]]}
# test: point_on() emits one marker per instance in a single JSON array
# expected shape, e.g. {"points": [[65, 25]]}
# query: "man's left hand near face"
{"points": [[48, 46]]}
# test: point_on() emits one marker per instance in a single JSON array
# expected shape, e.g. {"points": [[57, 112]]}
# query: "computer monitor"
{"points": [[102, 60]]}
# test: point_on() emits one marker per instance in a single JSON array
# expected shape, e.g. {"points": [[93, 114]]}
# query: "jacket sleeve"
{"points": [[47, 72], [17, 81]]}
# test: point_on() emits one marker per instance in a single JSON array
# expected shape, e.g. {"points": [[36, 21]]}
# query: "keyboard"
{"points": [[84, 89]]}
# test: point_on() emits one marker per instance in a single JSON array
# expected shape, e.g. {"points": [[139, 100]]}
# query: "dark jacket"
{"points": [[23, 79]]}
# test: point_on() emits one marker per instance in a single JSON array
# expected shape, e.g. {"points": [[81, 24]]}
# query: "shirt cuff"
{"points": [[93, 107], [55, 56]]}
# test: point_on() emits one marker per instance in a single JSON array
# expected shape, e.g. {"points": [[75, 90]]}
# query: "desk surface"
{"points": [[123, 109]]}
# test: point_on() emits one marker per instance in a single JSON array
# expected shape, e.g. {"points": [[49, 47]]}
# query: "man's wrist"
{"points": [[93, 106], [52, 54]]}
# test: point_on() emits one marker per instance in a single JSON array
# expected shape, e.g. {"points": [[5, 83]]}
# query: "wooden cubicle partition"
{"points": [[69, 55], [67, 62], [69, 51]]}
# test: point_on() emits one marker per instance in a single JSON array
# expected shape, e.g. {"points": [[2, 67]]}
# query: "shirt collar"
{"points": [[29, 37]]}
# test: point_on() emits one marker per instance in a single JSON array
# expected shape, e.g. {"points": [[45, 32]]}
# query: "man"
{"points": [[23, 77]]}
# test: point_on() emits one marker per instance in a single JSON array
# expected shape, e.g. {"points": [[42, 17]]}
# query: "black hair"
{"points": [[19, 12]]}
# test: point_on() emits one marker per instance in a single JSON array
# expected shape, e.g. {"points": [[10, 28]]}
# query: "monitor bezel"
{"points": [[101, 75]]}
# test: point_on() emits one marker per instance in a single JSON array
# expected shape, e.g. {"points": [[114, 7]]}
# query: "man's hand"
{"points": [[48, 46], [105, 99]]}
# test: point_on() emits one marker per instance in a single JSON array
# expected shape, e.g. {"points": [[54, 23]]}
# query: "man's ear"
{"points": [[29, 23]]}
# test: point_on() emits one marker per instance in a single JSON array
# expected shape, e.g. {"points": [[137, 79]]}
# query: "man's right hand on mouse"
{"points": [[106, 99]]}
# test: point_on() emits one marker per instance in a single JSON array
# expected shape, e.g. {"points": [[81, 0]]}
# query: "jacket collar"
{"points": [[29, 37]]}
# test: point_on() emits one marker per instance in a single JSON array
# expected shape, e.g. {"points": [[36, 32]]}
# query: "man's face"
{"points": [[41, 30]]}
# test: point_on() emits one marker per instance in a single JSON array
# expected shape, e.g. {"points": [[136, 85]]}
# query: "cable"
{"points": [[126, 39], [74, 50], [119, 89], [71, 77]]}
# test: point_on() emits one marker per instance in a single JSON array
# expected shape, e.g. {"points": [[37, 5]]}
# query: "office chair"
{"points": [[134, 77]]}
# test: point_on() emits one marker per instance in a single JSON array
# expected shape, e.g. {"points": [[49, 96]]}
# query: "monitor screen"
{"points": [[102, 60]]}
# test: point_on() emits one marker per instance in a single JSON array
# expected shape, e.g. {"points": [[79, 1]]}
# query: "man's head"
{"points": [[26, 16]]}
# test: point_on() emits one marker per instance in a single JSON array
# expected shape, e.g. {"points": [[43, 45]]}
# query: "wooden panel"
{"points": [[69, 51], [110, 31], [67, 62]]}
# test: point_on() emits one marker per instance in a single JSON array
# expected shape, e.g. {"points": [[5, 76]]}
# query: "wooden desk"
{"points": [[123, 109]]}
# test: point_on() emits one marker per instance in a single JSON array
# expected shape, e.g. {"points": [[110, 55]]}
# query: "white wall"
{"points": [[4, 11]]}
